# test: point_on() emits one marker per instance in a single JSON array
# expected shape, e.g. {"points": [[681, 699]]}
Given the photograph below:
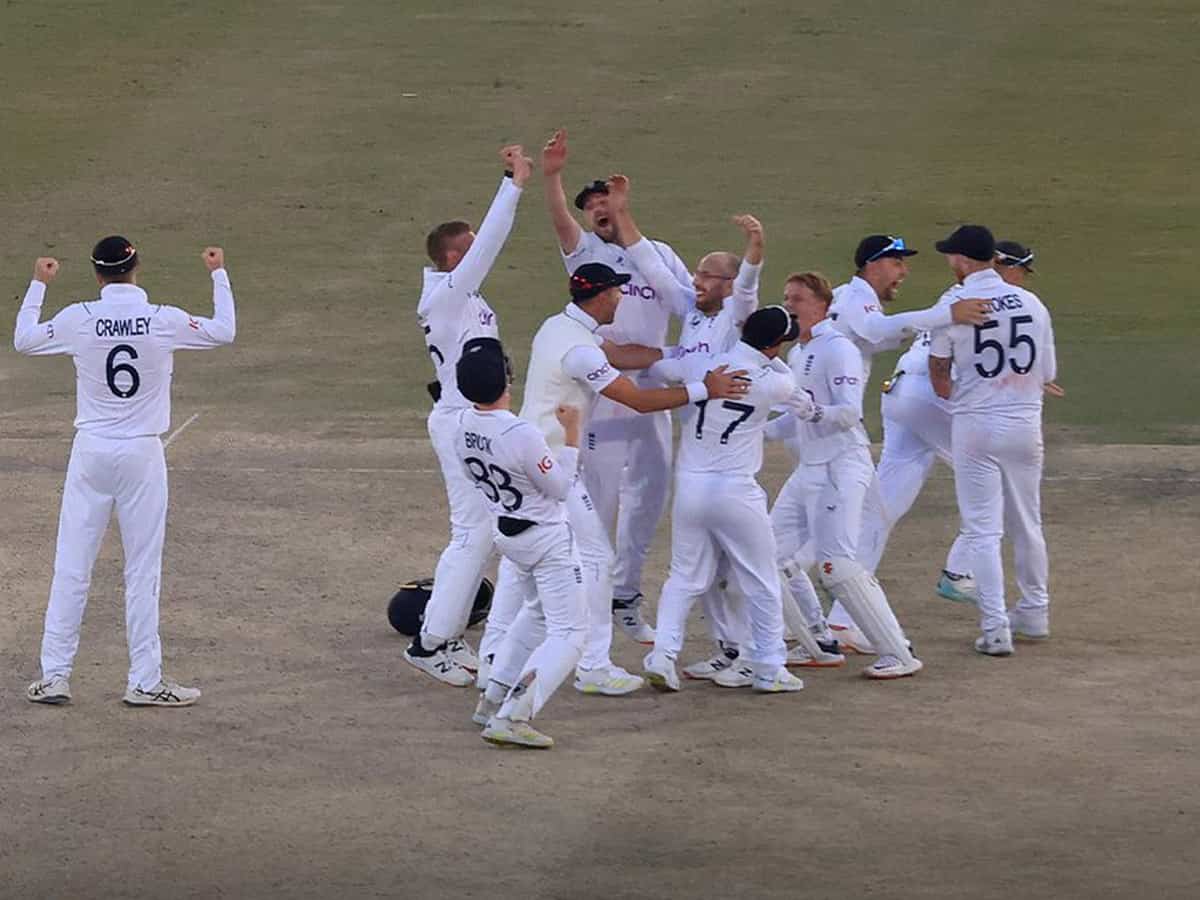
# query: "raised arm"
{"points": [[744, 298], [554, 158], [198, 333], [30, 335], [678, 296]]}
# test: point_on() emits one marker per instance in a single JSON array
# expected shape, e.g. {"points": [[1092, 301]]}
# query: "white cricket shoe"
{"points": [[851, 640], [781, 682], [440, 666], [887, 667], [995, 642], [957, 588], [460, 651], [707, 669], [1031, 624], [484, 710], [828, 656], [54, 690], [611, 682], [660, 671], [627, 615], [509, 733], [738, 676], [165, 693]]}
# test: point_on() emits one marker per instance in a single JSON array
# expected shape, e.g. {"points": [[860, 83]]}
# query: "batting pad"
{"points": [[864, 599], [794, 624]]}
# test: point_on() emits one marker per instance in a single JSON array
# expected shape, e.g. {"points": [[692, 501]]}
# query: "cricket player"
{"points": [[525, 486], [817, 515], [1014, 261], [627, 457], [880, 261], [720, 508], [1002, 366], [568, 368], [722, 295], [123, 348], [451, 312]]}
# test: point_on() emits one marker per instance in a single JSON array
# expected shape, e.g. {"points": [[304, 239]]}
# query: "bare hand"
{"points": [[750, 225], [518, 163], [722, 383], [971, 311], [618, 192], [45, 269], [569, 417], [1053, 389], [214, 258], [554, 154]]}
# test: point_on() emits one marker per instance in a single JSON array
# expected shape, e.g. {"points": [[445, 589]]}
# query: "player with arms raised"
{"points": [[451, 312], [123, 347]]}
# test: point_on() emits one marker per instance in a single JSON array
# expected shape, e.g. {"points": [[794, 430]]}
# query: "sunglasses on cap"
{"points": [[1007, 259], [894, 244]]}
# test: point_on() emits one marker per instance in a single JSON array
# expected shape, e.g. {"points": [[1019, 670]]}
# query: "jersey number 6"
{"points": [[483, 473], [110, 372], [1015, 340]]}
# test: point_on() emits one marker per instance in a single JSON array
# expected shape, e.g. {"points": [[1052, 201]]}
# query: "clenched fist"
{"points": [[214, 258], [45, 269]]}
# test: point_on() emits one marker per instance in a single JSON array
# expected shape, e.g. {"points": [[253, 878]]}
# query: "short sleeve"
{"points": [[585, 251], [589, 367], [941, 344]]}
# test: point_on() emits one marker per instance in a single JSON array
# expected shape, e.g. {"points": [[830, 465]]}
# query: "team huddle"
{"points": [[569, 490]]}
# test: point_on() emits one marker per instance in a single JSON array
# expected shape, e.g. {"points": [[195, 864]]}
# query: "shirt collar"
{"points": [[983, 276], [751, 355], [583, 318], [119, 291], [859, 283]]}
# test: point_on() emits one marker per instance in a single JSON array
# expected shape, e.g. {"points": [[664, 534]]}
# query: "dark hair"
{"points": [[815, 282], [436, 241]]}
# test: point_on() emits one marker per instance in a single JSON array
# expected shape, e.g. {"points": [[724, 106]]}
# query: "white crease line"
{"points": [[178, 431]]}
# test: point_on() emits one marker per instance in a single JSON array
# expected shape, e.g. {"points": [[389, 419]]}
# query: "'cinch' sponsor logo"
{"points": [[644, 291]]}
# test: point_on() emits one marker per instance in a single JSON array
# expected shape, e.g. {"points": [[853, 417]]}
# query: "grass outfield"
{"points": [[283, 131]]}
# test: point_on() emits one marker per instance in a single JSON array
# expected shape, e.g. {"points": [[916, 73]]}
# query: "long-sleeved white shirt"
{"points": [[451, 310], [827, 368], [1002, 365], [123, 348], [513, 467], [858, 313]]}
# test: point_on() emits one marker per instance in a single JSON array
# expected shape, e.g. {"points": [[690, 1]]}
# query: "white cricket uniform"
{"points": [[451, 312], [626, 455], [705, 336], [818, 511], [566, 367], [857, 312], [525, 487], [916, 433], [720, 508], [123, 348], [1001, 366]]}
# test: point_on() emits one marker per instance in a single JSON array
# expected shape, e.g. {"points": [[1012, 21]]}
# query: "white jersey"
{"points": [[451, 310], [566, 367], [644, 312], [512, 466], [858, 313], [826, 368], [123, 347], [1002, 364], [726, 436]]}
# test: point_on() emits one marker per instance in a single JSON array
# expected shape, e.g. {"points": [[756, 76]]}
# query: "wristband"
{"points": [[696, 391]]}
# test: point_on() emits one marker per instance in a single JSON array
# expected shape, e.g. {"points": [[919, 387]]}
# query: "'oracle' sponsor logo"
{"points": [[599, 373], [845, 379]]}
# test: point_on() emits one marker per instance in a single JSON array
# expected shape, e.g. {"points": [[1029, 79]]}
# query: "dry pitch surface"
{"points": [[319, 764]]}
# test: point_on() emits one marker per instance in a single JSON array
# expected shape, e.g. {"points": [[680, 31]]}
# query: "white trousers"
{"points": [[916, 433], [103, 473], [818, 515], [997, 477], [544, 642], [461, 565], [596, 559], [715, 514], [627, 468]]}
